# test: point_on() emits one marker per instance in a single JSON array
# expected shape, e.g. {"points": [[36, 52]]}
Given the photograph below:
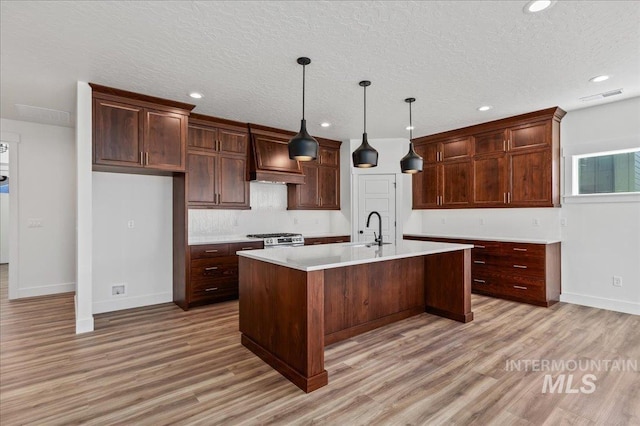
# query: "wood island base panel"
{"points": [[288, 316]]}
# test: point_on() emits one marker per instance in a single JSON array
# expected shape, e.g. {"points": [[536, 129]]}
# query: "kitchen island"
{"points": [[294, 301]]}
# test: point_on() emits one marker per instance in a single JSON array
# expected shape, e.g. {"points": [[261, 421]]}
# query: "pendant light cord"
{"points": [[410, 124], [303, 80], [365, 109]]}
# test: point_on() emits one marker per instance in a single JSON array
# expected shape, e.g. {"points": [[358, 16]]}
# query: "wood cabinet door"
{"points": [[456, 184], [201, 182], [165, 137], [454, 149], [233, 142], [426, 187], [329, 183], [490, 180], [490, 142], [200, 137], [308, 195], [117, 133], [232, 187], [530, 135], [428, 151], [329, 157], [530, 178]]}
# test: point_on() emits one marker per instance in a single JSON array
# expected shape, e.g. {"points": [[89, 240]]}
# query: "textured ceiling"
{"points": [[453, 56]]}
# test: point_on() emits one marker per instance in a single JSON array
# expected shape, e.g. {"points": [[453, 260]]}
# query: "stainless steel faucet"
{"points": [[378, 239]]}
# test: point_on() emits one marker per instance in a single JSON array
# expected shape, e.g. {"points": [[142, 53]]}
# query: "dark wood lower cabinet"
{"points": [[523, 272], [327, 240], [212, 274]]}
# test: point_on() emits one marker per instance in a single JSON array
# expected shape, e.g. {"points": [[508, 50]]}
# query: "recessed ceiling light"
{"points": [[485, 108], [410, 128], [196, 95], [599, 78], [325, 124], [538, 6]]}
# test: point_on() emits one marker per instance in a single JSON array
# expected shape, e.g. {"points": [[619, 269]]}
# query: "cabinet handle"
{"points": [[504, 145], [141, 158], [320, 200], [146, 158], [247, 248], [211, 268], [211, 251], [340, 241], [475, 280], [509, 144], [481, 262], [520, 287], [317, 242], [479, 246], [211, 289], [520, 266], [519, 249], [508, 197]]}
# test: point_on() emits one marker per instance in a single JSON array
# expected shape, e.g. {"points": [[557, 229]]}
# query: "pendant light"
{"points": [[303, 147], [412, 162], [365, 155]]}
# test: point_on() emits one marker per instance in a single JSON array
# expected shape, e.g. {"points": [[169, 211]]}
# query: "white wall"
{"points": [[46, 170], [602, 238], [139, 257]]}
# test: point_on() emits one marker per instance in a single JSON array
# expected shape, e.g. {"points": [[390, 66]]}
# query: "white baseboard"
{"points": [[45, 290], [83, 325], [602, 303], [123, 302]]}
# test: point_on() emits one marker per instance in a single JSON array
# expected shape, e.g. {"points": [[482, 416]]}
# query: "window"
{"points": [[608, 172]]}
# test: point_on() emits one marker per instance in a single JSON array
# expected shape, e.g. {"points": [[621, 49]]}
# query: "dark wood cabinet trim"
{"points": [[106, 92]]}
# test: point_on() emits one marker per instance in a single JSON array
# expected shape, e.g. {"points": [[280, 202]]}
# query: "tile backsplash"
{"points": [[268, 214]]}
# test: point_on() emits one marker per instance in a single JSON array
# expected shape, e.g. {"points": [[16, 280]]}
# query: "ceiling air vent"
{"points": [[44, 115], [601, 95]]}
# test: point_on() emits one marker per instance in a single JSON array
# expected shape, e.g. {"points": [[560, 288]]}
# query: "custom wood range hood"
{"points": [[269, 156]]}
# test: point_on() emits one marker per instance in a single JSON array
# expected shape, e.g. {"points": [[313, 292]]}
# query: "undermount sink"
{"points": [[371, 244]]}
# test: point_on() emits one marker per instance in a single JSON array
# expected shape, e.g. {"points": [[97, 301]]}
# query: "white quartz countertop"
{"points": [[491, 238], [327, 256], [220, 239]]}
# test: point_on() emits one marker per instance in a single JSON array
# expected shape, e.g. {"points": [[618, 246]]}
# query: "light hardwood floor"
{"points": [[160, 365]]}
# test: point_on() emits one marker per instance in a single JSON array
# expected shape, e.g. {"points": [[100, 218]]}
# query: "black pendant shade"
{"points": [[303, 147], [365, 155], [412, 162]]}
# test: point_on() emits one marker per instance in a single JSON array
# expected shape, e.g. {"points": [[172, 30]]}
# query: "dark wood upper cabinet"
{"points": [[514, 162], [321, 190], [134, 133], [217, 164]]}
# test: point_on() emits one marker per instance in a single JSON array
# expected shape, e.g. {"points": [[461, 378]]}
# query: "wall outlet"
{"points": [[119, 290], [131, 224], [295, 220], [536, 221], [481, 221], [617, 281], [563, 221], [35, 223], [443, 220]]}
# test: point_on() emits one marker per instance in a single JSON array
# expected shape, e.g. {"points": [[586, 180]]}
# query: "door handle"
{"points": [[361, 231]]}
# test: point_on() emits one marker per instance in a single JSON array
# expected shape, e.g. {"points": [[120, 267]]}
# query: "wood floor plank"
{"points": [[159, 365]]}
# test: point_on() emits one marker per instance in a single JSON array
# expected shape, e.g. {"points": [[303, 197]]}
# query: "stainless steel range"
{"points": [[282, 239]]}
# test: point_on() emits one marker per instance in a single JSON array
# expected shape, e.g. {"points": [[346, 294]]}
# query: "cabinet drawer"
{"points": [[523, 250], [220, 290], [249, 245], [485, 283], [523, 289], [214, 269], [209, 250]]}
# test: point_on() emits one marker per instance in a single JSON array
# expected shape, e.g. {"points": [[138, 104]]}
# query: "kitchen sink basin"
{"points": [[371, 244]]}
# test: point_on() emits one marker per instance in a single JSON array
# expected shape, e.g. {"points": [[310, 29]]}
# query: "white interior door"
{"points": [[377, 193]]}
